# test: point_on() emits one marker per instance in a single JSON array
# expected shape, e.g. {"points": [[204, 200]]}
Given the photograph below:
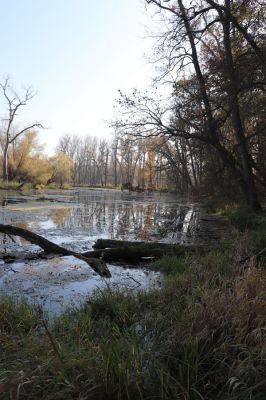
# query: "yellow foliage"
{"points": [[62, 167], [37, 169], [27, 162]]}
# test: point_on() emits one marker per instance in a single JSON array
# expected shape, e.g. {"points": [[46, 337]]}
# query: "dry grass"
{"points": [[201, 337]]}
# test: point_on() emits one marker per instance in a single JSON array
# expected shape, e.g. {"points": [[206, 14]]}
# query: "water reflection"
{"points": [[106, 214], [76, 221], [120, 216], [58, 216]]}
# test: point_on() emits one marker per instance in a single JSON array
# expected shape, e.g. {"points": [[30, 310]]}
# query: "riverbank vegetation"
{"points": [[201, 336], [23, 160], [199, 129]]}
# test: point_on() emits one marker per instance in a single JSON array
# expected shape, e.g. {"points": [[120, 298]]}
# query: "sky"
{"points": [[76, 54]]}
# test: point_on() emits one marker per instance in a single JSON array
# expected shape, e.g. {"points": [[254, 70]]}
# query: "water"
{"points": [[76, 219]]}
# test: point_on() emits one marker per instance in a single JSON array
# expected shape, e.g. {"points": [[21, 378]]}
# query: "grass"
{"points": [[27, 187], [242, 217], [202, 336], [13, 185], [57, 186], [10, 185]]}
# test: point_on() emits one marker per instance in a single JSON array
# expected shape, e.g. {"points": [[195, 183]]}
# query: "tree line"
{"points": [[142, 163], [118, 161]]}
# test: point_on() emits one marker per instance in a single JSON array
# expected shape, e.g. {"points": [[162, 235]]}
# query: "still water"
{"points": [[76, 219]]}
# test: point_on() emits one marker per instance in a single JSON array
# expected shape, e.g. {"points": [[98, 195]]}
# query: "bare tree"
{"points": [[14, 103], [206, 72]]}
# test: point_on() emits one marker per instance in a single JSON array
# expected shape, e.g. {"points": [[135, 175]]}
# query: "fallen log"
{"points": [[125, 254], [102, 244], [107, 250], [130, 254], [143, 251], [113, 244], [49, 247]]}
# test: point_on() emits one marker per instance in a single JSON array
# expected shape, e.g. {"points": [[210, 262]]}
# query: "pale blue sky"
{"points": [[76, 54]]}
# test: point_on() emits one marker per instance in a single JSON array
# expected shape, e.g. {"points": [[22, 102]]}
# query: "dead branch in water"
{"points": [[49, 247], [106, 250]]}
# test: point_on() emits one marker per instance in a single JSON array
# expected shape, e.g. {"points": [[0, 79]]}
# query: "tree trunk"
{"points": [[249, 185], [5, 163], [246, 177], [244, 31]]}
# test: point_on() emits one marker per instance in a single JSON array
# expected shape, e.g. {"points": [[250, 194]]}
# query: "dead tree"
{"points": [[14, 103]]}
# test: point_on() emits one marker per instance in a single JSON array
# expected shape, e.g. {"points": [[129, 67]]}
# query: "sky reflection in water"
{"points": [[76, 219]]}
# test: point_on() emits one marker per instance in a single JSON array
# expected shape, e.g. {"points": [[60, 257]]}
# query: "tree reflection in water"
{"points": [[111, 214], [124, 216]]}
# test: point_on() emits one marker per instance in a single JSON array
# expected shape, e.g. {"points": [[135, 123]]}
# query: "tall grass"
{"points": [[202, 336]]}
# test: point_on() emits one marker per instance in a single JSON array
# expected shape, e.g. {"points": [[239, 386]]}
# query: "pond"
{"points": [[75, 219]]}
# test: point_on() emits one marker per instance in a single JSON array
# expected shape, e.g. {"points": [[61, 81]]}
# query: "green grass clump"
{"points": [[171, 265], [57, 186], [53, 186], [241, 216], [16, 317]]}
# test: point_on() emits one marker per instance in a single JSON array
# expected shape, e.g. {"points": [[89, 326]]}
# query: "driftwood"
{"points": [[49, 247], [118, 251]]}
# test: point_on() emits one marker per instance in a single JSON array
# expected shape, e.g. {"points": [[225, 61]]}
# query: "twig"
{"points": [[54, 345], [257, 256], [133, 279]]}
